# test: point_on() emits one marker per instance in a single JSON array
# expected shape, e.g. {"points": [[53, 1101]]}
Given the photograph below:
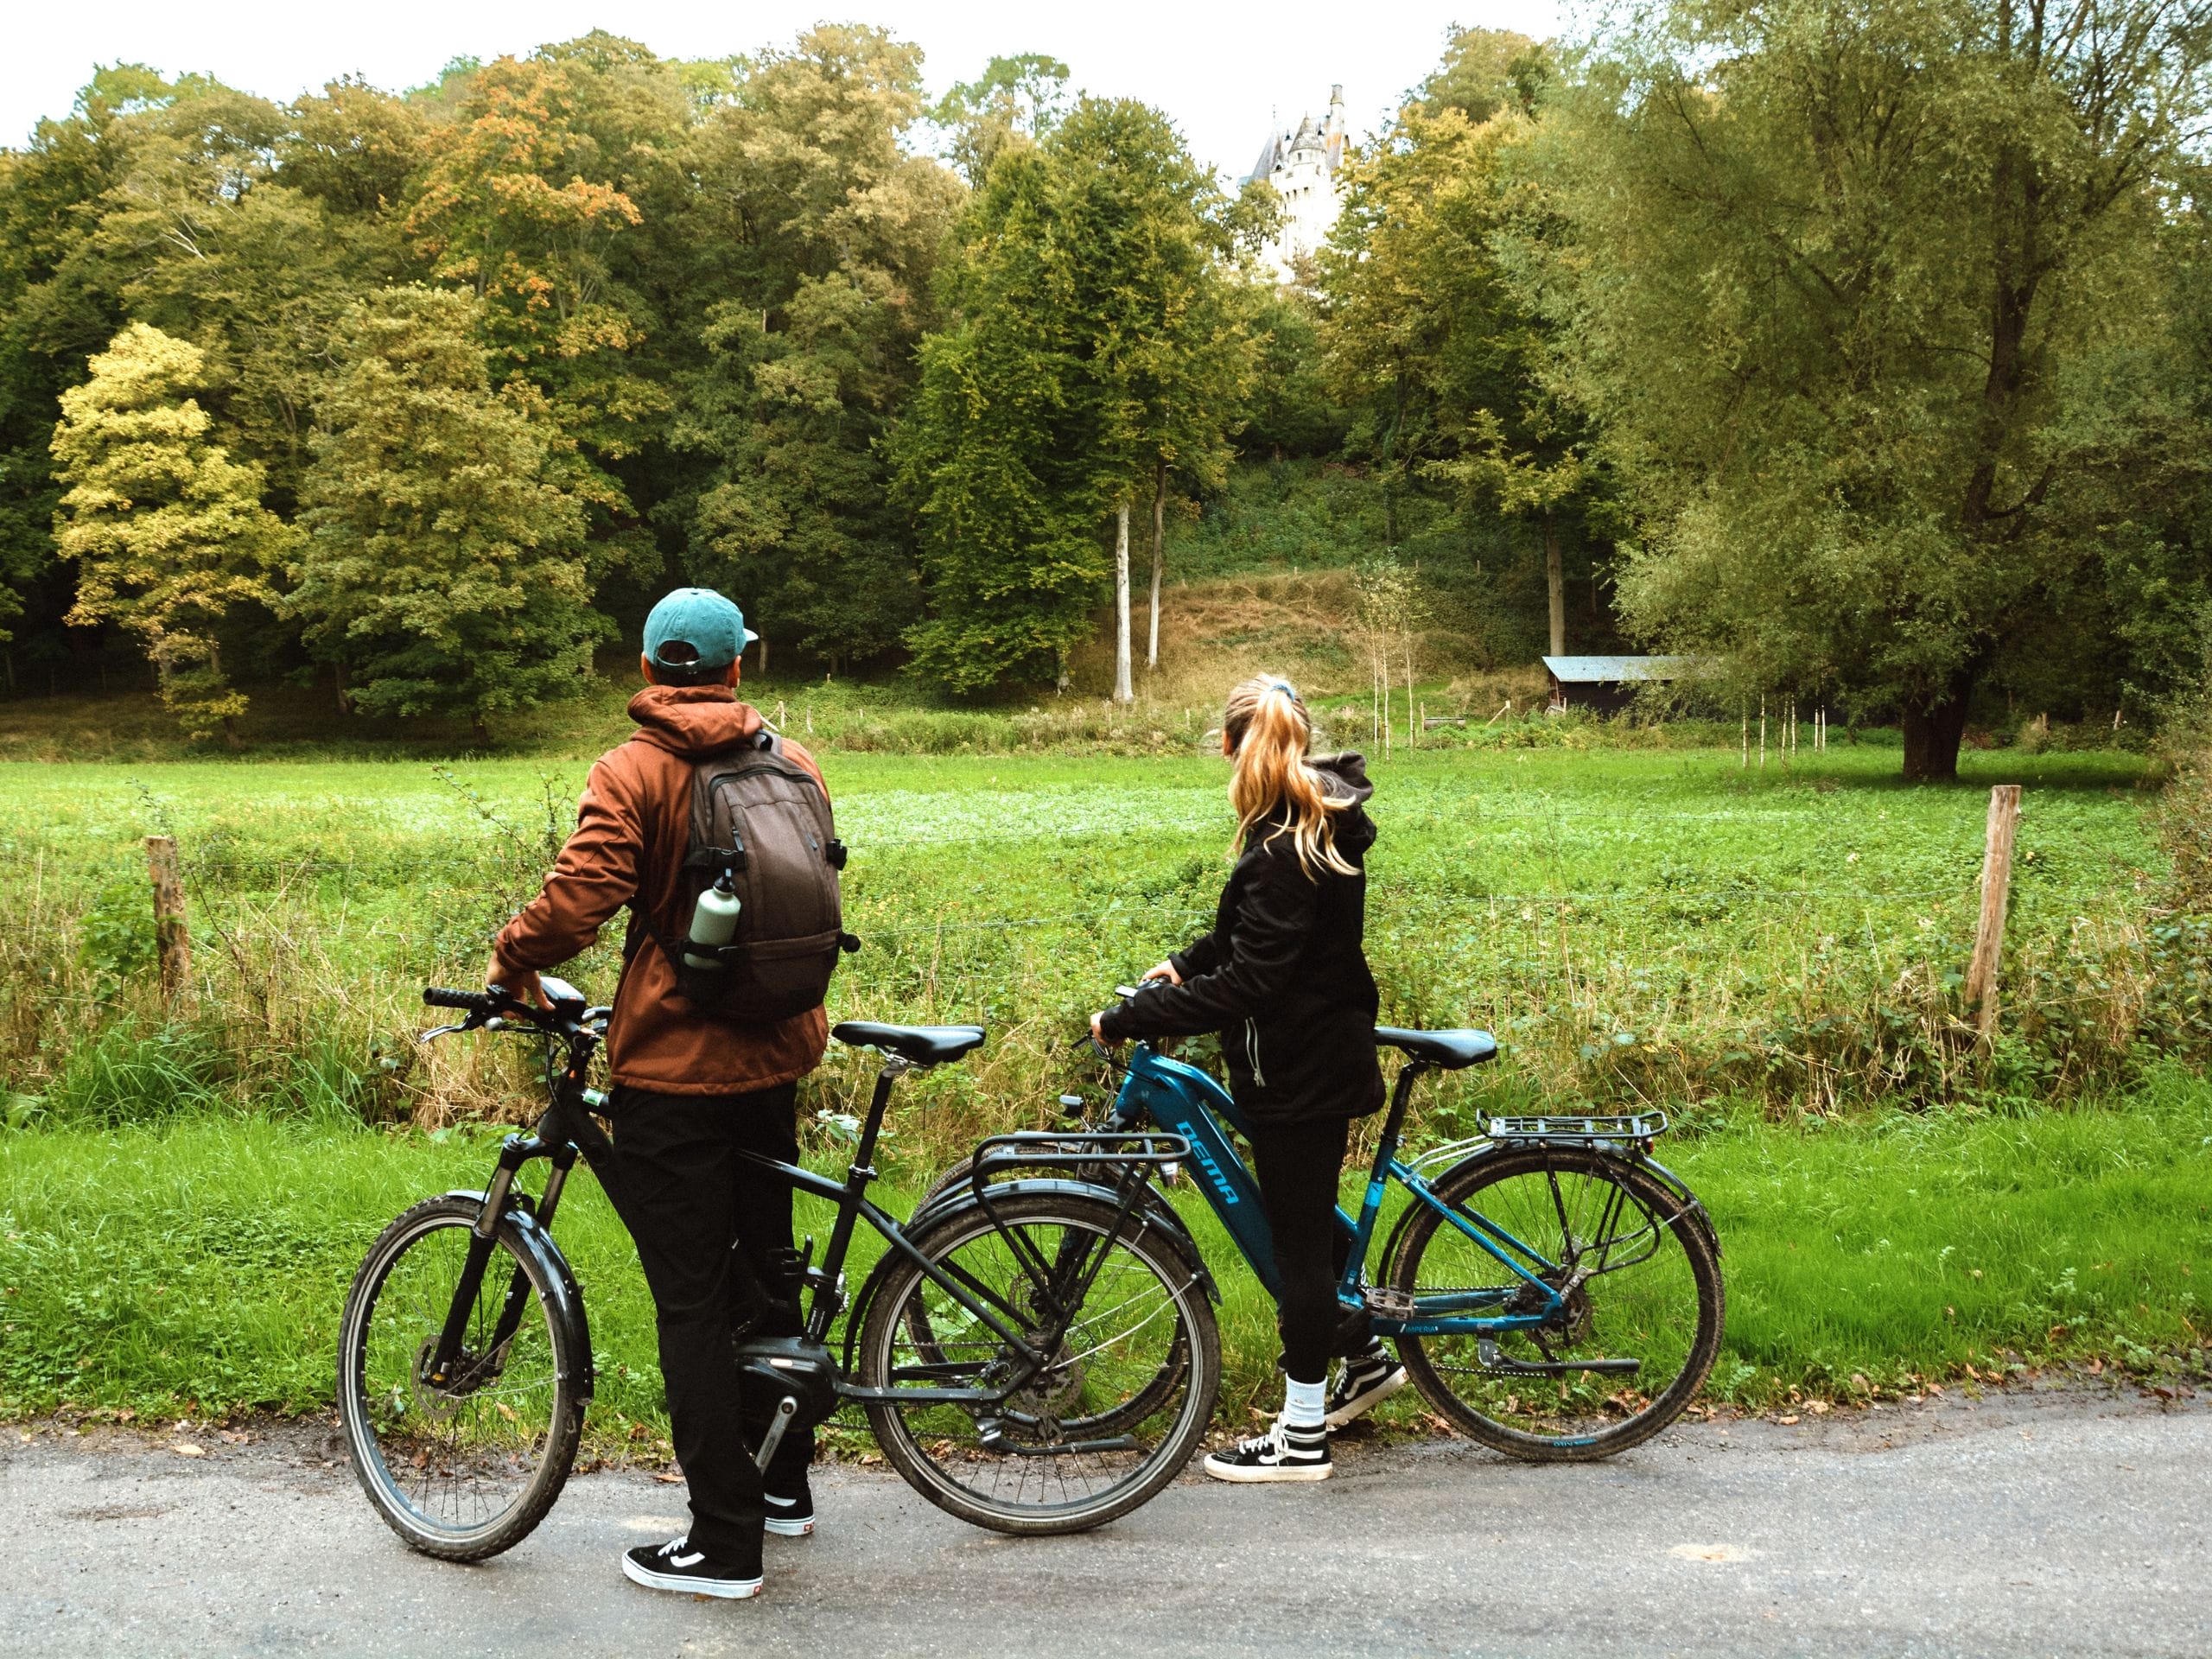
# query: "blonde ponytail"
{"points": [[1268, 729]]}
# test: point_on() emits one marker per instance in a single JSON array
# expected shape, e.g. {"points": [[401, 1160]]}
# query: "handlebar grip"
{"points": [[469, 1001]]}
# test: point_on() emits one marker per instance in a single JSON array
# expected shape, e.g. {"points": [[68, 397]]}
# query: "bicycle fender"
{"points": [[1693, 1206], [1159, 1217], [568, 1296], [1155, 1206]]}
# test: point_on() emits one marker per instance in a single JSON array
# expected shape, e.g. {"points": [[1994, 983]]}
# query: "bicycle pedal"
{"points": [[1388, 1301]]}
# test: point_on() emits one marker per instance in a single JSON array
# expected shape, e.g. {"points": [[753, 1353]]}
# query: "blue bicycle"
{"points": [[1552, 1291]]}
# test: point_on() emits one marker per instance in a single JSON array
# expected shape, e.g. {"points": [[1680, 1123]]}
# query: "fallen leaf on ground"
{"points": [[1790, 1421], [670, 1480], [187, 1449]]}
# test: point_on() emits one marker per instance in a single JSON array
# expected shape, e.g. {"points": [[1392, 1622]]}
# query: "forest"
{"points": [[1864, 353]]}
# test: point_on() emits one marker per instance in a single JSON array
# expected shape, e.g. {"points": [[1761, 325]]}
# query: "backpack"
{"points": [[761, 816]]}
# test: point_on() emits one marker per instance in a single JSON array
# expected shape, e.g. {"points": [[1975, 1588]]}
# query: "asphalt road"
{"points": [[2058, 1523]]}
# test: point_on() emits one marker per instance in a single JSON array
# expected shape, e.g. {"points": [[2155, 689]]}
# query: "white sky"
{"points": [[1218, 68]]}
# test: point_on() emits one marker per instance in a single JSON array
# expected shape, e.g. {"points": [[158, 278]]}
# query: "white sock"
{"points": [[1304, 1404]]}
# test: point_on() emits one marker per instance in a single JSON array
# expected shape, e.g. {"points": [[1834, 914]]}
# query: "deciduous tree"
{"points": [[169, 534], [443, 569], [1838, 287]]}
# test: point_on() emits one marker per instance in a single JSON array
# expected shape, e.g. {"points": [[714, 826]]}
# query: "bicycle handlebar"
{"points": [[438, 996]]}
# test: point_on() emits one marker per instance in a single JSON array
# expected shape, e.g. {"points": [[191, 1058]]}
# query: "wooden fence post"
{"points": [[172, 944], [1996, 892]]}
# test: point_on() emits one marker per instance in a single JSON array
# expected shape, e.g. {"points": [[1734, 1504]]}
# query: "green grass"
{"points": [[1772, 955], [200, 1266], [1640, 922]]}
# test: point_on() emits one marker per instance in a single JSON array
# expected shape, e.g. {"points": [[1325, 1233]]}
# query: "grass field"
{"points": [[1654, 923], [199, 1267], [1773, 956]]}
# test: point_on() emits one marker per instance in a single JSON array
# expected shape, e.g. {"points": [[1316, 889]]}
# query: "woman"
{"points": [[1283, 979]]}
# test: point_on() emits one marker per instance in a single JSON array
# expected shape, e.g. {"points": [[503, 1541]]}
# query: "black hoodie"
{"points": [[1282, 977]]}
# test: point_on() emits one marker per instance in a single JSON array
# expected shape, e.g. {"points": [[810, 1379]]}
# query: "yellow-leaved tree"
{"points": [[168, 533]]}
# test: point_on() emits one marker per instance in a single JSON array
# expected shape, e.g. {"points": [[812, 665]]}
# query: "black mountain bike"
{"points": [[1034, 1355]]}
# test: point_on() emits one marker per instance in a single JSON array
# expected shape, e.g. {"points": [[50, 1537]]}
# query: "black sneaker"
{"points": [[791, 1514], [1282, 1453], [1367, 1381], [676, 1566]]}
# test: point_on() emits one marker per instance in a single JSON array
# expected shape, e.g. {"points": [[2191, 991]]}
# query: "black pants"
{"points": [[705, 1223], [1298, 1165]]}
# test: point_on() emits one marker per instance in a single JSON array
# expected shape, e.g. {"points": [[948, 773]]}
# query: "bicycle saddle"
{"points": [[923, 1044], [1449, 1049]]}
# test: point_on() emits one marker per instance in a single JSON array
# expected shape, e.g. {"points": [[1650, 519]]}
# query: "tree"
{"points": [[993, 453], [1098, 352], [443, 569], [828, 232], [168, 533], [793, 516], [1015, 101], [527, 201], [1835, 283], [1429, 339], [56, 312]]}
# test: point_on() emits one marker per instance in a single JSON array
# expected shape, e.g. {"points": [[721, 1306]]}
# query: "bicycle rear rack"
{"points": [[1580, 1131], [1053, 1149]]}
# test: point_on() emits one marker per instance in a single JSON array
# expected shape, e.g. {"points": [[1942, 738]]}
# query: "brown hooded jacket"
{"points": [[632, 829]]}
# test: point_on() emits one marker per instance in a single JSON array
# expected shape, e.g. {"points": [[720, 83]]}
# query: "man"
{"points": [[689, 1092]]}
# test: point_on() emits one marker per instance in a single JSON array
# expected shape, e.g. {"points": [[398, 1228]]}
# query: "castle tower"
{"points": [[1301, 163]]}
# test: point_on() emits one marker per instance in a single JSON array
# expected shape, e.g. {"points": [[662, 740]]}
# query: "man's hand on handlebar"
{"points": [[519, 983], [1166, 971]]}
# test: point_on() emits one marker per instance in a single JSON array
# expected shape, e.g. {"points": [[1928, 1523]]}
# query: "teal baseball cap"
{"points": [[696, 631]]}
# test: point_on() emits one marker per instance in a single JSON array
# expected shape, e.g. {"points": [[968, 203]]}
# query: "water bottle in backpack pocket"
{"points": [[759, 899]]}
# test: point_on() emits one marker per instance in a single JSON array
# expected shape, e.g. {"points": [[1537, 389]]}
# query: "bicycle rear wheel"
{"points": [[465, 1471], [1643, 1283], [1121, 1410]]}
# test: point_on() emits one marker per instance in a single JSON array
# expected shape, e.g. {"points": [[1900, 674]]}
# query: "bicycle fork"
{"points": [[483, 1234]]}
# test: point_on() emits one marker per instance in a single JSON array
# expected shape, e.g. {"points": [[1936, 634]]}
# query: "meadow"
{"points": [[1773, 956]]}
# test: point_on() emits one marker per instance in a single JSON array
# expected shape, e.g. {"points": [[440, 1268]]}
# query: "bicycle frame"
{"points": [[566, 1129], [1184, 1101]]}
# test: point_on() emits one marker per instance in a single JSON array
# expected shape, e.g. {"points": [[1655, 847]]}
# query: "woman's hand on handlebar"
{"points": [[1165, 971]]}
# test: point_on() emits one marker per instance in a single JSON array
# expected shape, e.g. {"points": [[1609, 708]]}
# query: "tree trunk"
{"points": [[1933, 727], [231, 739], [345, 695], [1122, 692], [1158, 553], [1555, 584], [478, 730]]}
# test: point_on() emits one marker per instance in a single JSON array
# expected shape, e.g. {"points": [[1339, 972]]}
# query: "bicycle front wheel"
{"points": [[1642, 1282], [465, 1470], [1134, 1372]]}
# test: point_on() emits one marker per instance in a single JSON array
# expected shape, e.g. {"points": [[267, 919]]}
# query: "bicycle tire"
{"points": [[1193, 1338], [370, 1355], [1579, 1430]]}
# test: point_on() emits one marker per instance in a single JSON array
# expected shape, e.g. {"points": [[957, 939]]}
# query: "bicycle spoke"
{"points": [[1089, 1424], [455, 1460], [1624, 1286]]}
